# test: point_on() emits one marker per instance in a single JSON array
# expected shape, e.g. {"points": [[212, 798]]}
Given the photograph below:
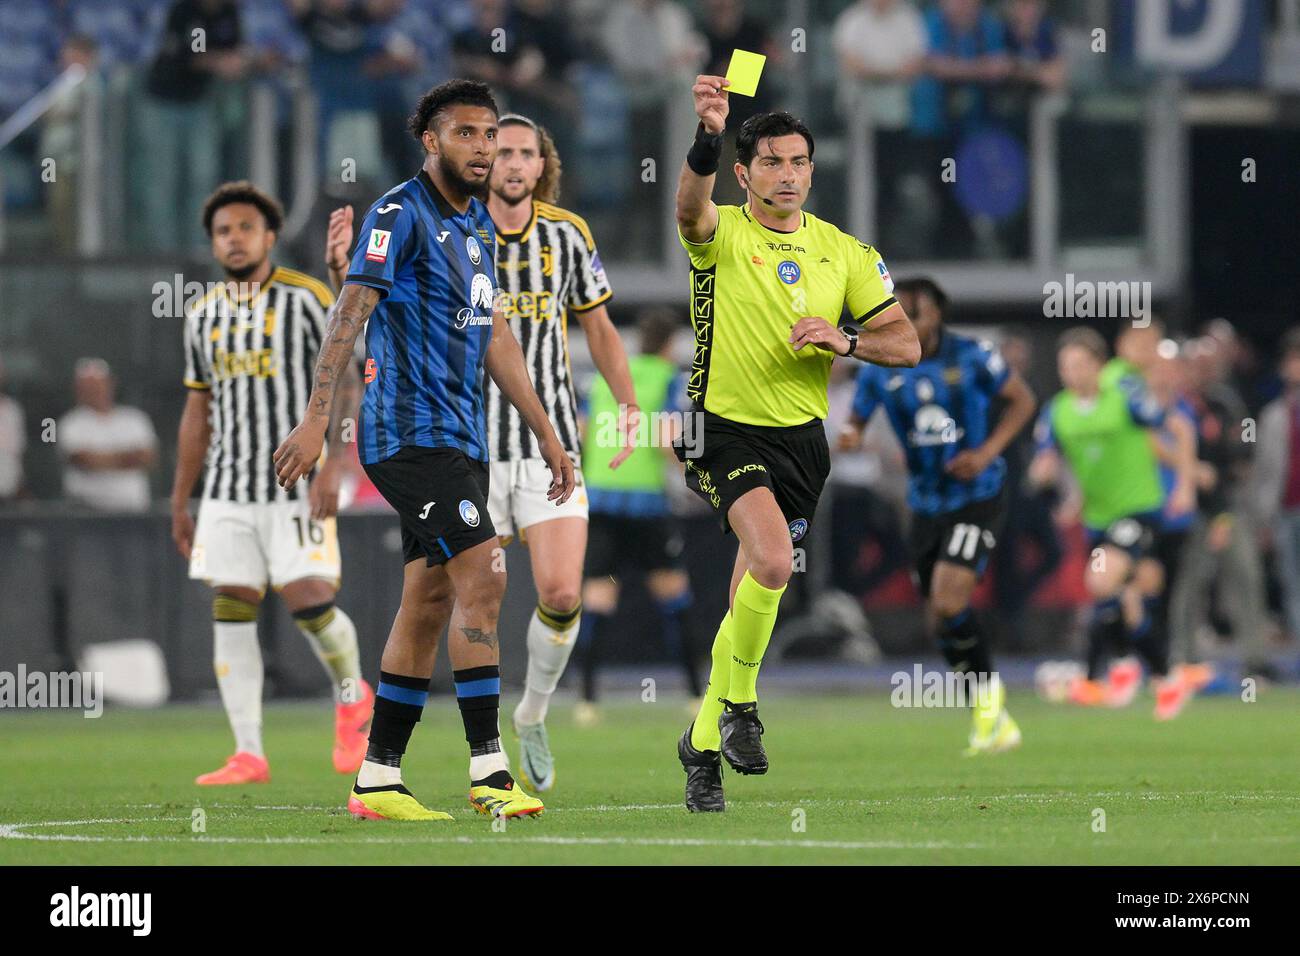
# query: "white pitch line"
{"points": [[821, 801], [16, 831]]}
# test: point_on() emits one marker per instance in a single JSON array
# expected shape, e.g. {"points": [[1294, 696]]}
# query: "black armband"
{"points": [[705, 152]]}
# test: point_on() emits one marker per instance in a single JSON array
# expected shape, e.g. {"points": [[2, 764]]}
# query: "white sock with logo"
{"points": [[333, 637], [237, 658], [549, 649]]}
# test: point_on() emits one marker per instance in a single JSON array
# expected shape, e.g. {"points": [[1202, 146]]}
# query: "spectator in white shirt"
{"points": [[654, 49], [881, 48], [13, 440], [108, 449], [650, 43]]}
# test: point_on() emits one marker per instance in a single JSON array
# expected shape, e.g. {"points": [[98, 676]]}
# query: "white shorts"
{"points": [[249, 545], [517, 497]]}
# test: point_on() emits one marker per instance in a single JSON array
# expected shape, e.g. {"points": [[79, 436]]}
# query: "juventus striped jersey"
{"points": [[545, 271], [257, 357]]}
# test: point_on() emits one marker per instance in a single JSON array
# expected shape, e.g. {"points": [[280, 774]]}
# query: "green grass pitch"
{"points": [[852, 781]]}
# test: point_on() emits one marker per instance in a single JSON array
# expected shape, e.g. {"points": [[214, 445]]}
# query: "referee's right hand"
{"points": [[711, 104]]}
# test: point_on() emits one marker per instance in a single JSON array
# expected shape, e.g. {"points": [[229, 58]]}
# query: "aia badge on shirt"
{"points": [[377, 247]]}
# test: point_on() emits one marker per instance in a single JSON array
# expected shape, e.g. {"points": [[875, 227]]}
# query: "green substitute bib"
{"points": [[1110, 454], [644, 469]]}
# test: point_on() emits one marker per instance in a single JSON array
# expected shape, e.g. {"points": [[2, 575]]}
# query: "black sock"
{"points": [[677, 637], [399, 702], [478, 694], [1151, 640], [1104, 634], [593, 622], [964, 645]]}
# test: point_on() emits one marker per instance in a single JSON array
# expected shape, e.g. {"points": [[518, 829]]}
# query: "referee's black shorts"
{"points": [[792, 462], [440, 495]]}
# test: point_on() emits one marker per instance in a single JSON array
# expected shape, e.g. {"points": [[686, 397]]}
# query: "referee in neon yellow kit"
{"points": [[769, 283]]}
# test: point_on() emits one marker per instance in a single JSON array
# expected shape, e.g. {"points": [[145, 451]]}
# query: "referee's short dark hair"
{"points": [[451, 93], [761, 126], [227, 194], [1090, 340], [924, 285]]}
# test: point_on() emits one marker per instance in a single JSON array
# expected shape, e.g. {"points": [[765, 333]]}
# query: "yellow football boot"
{"points": [[505, 802], [393, 802]]}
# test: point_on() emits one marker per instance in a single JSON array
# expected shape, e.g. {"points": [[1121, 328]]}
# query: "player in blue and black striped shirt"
{"points": [[423, 274], [942, 412]]}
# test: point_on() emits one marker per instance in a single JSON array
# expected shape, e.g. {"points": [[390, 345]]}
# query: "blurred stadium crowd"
{"points": [[596, 74]]}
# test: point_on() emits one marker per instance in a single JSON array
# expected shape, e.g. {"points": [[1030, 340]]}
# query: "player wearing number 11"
{"points": [[769, 284], [943, 412]]}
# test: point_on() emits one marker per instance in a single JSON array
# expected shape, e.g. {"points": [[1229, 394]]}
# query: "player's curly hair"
{"points": [[227, 194], [1090, 340], [761, 126], [451, 93], [548, 185]]}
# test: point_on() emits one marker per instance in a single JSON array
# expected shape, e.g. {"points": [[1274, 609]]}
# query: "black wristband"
{"points": [[705, 152]]}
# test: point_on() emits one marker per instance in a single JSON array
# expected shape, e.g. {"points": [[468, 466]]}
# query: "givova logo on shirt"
{"points": [[377, 246]]}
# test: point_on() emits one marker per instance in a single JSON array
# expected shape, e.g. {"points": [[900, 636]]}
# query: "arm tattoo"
{"points": [[349, 314], [476, 636], [347, 398]]}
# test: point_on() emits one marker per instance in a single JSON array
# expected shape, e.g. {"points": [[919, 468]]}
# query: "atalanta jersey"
{"points": [[426, 341], [938, 409]]}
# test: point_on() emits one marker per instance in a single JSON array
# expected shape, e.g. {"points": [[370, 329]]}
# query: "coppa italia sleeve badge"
{"points": [[377, 247]]}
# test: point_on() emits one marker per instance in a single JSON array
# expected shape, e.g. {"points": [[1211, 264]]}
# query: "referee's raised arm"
{"points": [[697, 216]]}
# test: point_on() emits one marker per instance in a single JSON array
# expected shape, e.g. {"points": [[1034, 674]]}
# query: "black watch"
{"points": [[851, 334]]}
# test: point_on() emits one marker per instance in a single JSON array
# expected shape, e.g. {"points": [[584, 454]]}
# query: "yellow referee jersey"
{"points": [[749, 286]]}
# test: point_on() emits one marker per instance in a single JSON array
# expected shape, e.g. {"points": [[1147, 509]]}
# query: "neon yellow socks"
{"points": [[738, 649], [753, 617], [704, 735]]}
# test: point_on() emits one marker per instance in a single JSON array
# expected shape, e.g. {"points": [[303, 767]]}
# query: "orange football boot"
{"points": [[1172, 695], [352, 731], [1088, 693], [1195, 676], [243, 767], [1122, 683]]}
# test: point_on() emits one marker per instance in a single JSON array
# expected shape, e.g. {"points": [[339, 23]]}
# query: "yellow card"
{"points": [[743, 72]]}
